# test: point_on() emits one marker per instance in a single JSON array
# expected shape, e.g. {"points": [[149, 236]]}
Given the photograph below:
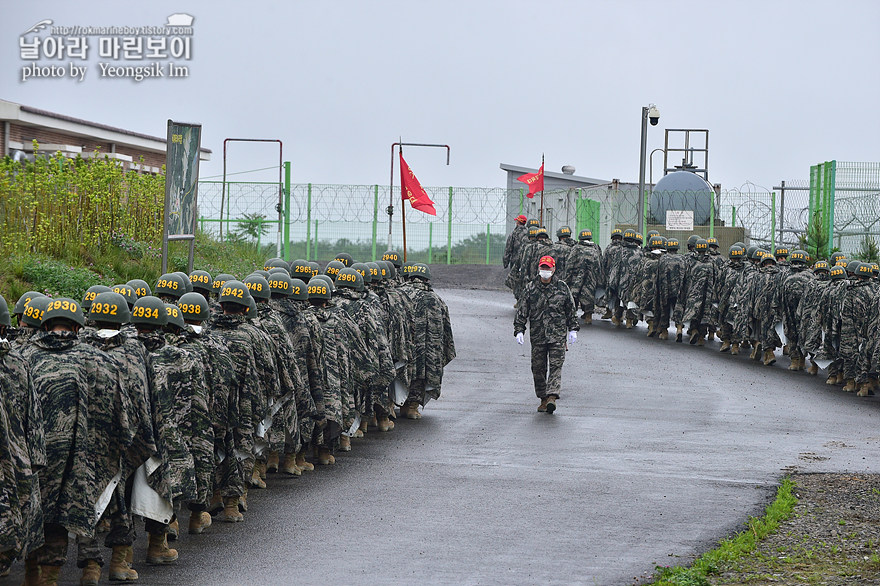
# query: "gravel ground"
{"points": [[832, 537]]}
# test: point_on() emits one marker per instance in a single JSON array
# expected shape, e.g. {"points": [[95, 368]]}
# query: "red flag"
{"points": [[535, 181], [411, 189]]}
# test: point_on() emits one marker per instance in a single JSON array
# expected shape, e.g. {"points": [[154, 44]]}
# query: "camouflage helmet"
{"points": [[333, 267], [345, 258], [875, 268], [541, 233], [235, 292], [300, 269], [298, 290], [141, 289], [672, 244], [853, 266], [175, 316], [533, 223], [5, 319], [421, 271], [701, 245], [260, 273], [328, 280], [364, 270], [251, 311], [202, 281], [279, 284], [799, 257], [149, 311], [394, 257], [219, 280], [392, 270], [837, 272], [752, 253], [187, 284], [170, 284], [63, 308], [616, 233], [736, 252], [713, 242], [835, 256], [24, 300], [375, 271], [585, 235], [740, 244], [563, 232], [33, 313], [319, 289], [194, 307], [276, 262], [842, 263], [110, 307], [639, 239], [766, 256], [864, 270], [821, 266], [276, 270], [258, 286], [656, 241], [652, 233], [692, 241], [533, 232], [90, 295], [629, 235], [781, 251], [127, 292], [383, 270], [350, 279], [316, 268]]}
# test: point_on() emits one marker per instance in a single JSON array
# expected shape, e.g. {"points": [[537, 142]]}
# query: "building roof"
{"points": [[30, 116], [561, 176]]}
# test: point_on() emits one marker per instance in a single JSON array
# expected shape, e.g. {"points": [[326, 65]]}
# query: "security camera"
{"points": [[654, 115]]}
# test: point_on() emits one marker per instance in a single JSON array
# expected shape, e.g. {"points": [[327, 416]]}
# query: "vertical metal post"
{"points": [[375, 217], [430, 242], [521, 193], [712, 214], [487, 242], [316, 240], [781, 211], [733, 216], [642, 155], [287, 211], [772, 220], [259, 232], [831, 195], [449, 230], [309, 223]]}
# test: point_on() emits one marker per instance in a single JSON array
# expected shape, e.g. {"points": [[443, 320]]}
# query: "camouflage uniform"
{"points": [[855, 316], [399, 309], [794, 286], [627, 264], [767, 308], [728, 285], [561, 251], [87, 426], [697, 299], [648, 296], [584, 274], [670, 274], [549, 310], [832, 304], [515, 240], [22, 455], [433, 345], [810, 317], [532, 253]]}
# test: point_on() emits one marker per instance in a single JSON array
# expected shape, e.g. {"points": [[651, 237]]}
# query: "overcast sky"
{"points": [[780, 85]]}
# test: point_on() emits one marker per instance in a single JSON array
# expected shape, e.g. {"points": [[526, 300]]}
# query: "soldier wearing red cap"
{"points": [[548, 308], [515, 240]]}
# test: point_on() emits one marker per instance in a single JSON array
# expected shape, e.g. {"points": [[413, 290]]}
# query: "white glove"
{"points": [[572, 337], [520, 339]]}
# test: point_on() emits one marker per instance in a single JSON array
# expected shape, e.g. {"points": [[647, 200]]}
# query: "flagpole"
{"points": [[542, 192], [402, 205]]}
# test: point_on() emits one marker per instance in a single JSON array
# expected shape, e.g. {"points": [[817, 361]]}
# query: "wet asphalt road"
{"points": [[656, 451]]}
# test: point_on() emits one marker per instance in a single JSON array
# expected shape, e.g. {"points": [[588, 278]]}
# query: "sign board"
{"points": [[680, 220], [182, 147]]}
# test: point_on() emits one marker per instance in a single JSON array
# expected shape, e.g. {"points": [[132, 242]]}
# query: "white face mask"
{"points": [[545, 274], [106, 334], [196, 329]]}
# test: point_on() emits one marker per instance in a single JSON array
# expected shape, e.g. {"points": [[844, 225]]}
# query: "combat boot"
{"points": [[702, 341], [173, 530], [865, 389], [785, 350], [630, 323], [289, 465], [230, 512], [850, 385], [158, 552], [651, 332], [840, 378], [794, 364], [325, 458], [362, 430], [725, 346], [242, 502], [551, 404], [756, 352], [120, 568], [261, 466], [31, 571], [542, 408], [663, 335], [814, 368], [216, 504], [769, 357], [198, 522], [410, 410], [615, 320], [710, 335], [91, 574], [301, 462], [588, 319], [385, 424], [49, 575], [256, 481], [734, 349], [678, 332], [344, 443], [695, 334], [607, 314], [831, 380], [272, 463]]}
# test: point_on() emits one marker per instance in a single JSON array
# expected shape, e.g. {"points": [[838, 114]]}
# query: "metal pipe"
{"points": [[642, 155], [390, 209]]}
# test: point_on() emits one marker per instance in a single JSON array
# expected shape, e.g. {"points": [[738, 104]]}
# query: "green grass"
{"points": [[732, 549]]}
